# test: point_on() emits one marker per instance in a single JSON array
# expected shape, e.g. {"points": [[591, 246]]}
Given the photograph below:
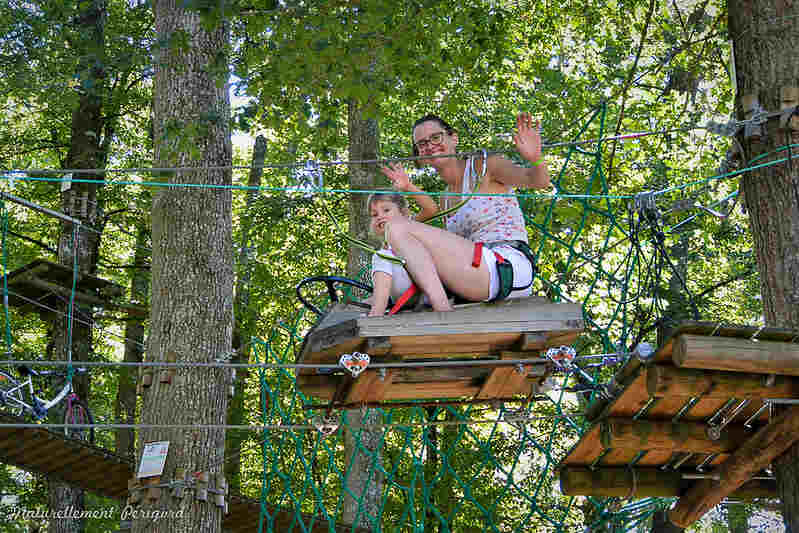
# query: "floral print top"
{"points": [[487, 218]]}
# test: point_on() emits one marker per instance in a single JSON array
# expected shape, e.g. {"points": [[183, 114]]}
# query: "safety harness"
{"points": [[504, 269]]}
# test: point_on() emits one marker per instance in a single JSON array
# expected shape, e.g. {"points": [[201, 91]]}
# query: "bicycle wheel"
{"points": [[10, 394], [78, 413]]}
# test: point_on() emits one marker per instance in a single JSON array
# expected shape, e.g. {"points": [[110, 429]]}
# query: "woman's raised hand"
{"points": [[398, 177], [528, 137]]}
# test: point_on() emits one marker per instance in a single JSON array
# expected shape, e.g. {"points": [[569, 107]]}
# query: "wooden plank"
{"points": [[446, 389], [496, 382], [451, 373], [318, 385], [622, 482], [532, 341], [369, 387], [737, 355], [504, 382], [665, 381], [752, 457], [715, 329], [586, 449], [659, 435], [516, 315]]}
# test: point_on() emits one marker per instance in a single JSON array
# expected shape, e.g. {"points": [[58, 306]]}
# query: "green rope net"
{"points": [[464, 468]]}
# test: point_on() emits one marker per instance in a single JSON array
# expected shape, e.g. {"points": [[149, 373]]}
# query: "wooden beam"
{"points": [[737, 355], [516, 315], [666, 381], [651, 482], [752, 457], [33, 281], [505, 381], [371, 386], [625, 433]]}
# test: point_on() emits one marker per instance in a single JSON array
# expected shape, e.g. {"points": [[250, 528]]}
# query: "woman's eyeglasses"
{"points": [[435, 138]]}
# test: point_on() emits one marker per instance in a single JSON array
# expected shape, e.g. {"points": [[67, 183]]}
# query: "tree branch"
{"points": [[629, 82]]}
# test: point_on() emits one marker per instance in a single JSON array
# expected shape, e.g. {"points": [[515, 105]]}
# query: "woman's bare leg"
{"points": [[435, 257]]}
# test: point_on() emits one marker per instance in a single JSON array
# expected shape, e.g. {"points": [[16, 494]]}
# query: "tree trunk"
{"points": [[765, 39], [191, 312], [77, 246], [125, 404], [245, 318], [362, 446]]}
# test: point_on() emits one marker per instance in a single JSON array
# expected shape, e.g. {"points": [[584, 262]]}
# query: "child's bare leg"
{"points": [[420, 265], [442, 257]]}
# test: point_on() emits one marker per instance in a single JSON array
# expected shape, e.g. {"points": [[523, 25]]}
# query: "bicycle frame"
{"points": [[38, 406]]}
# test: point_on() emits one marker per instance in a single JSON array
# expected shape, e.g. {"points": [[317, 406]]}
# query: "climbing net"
{"points": [[474, 467]]}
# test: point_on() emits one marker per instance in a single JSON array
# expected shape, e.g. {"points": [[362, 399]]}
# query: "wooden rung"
{"points": [[737, 355], [646, 482], [625, 433], [666, 381]]}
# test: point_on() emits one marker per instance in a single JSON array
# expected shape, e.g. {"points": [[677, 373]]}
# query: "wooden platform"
{"points": [[653, 437], [50, 284], [513, 329]]}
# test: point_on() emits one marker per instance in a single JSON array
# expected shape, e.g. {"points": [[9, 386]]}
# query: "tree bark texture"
{"points": [[766, 39], [362, 446], [125, 404], [77, 245], [245, 320], [191, 312]]}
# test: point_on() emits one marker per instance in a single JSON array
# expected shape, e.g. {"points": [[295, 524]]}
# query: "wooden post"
{"points": [[178, 489], [666, 381], [737, 355], [753, 456], [167, 374], [147, 377], [789, 97], [134, 492], [201, 488], [624, 433], [153, 493]]}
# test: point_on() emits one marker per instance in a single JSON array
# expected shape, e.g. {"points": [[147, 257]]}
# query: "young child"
{"points": [[389, 278]]}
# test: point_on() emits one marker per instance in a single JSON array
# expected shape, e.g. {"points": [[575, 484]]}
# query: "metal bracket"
{"points": [[326, 425], [644, 203], [644, 352], [755, 116], [355, 362], [562, 356]]}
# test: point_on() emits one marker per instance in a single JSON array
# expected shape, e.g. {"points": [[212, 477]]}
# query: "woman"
{"points": [[436, 258]]}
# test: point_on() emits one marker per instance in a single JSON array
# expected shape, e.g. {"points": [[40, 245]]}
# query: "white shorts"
{"points": [[522, 271]]}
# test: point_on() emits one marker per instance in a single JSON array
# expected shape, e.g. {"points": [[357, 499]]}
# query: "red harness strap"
{"points": [[407, 295], [478, 255]]}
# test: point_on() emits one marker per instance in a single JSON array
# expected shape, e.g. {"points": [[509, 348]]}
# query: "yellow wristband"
{"points": [[537, 163]]}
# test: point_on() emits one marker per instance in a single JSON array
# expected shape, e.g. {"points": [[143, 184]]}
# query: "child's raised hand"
{"points": [[397, 175], [528, 137]]}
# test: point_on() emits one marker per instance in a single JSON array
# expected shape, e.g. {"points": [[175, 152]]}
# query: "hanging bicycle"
{"points": [[20, 398]]}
